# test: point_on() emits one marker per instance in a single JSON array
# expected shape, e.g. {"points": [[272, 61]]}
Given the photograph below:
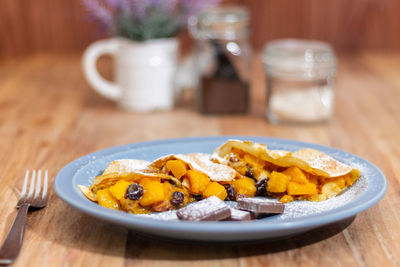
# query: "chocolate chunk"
{"points": [[163, 216], [239, 215], [256, 216], [209, 209], [259, 205]]}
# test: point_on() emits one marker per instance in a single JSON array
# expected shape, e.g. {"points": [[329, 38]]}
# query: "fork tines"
{"points": [[34, 190]]}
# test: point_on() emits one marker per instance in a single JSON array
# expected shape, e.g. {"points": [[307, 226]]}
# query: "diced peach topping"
{"points": [[198, 181], [286, 199], [118, 190], [296, 175], [245, 186], [177, 167], [215, 189], [105, 199], [278, 182], [153, 192], [301, 189]]}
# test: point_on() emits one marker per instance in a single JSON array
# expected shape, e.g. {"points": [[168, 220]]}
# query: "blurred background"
{"points": [[62, 26]]}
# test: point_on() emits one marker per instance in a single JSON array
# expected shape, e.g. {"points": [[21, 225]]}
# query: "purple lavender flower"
{"points": [[97, 10], [113, 3], [191, 7], [137, 8], [145, 19]]}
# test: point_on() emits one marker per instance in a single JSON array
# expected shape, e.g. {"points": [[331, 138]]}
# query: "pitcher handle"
{"points": [[91, 55]]}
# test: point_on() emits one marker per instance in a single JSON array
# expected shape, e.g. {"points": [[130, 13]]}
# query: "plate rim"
{"points": [[118, 217]]}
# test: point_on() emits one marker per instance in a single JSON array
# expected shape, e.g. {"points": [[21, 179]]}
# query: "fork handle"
{"points": [[12, 244]]}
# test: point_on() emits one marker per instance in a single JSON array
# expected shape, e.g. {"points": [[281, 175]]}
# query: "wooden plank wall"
{"points": [[31, 26], [354, 24]]}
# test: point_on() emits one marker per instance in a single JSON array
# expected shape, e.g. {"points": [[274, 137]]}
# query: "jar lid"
{"points": [[222, 23], [299, 58]]}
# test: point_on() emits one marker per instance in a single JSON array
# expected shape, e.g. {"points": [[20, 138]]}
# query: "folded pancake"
{"points": [[134, 186], [319, 163], [196, 172], [200, 162], [303, 174], [126, 169]]}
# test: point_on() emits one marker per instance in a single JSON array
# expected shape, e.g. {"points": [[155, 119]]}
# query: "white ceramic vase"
{"points": [[144, 72]]}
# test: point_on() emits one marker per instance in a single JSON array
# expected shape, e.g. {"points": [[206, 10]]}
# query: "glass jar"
{"points": [[223, 60], [300, 76]]}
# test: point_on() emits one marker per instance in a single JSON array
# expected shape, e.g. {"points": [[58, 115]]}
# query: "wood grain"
{"points": [[49, 116], [348, 25], [29, 27]]}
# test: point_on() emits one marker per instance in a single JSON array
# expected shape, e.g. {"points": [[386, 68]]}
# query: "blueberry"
{"points": [[231, 192], [249, 173], [261, 187], [177, 198], [134, 191]]}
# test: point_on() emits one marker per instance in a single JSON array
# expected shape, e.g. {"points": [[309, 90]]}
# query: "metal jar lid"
{"points": [[228, 23], [299, 59]]}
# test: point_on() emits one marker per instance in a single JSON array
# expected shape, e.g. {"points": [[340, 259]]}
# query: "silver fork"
{"points": [[12, 244]]}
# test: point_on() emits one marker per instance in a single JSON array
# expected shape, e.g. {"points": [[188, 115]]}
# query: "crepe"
{"points": [[126, 169], [199, 162], [304, 174], [307, 159], [319, 163], [169, 182], [235, 169]]}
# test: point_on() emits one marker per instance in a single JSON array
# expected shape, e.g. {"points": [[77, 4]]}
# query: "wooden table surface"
{"points": [[49, 116]]}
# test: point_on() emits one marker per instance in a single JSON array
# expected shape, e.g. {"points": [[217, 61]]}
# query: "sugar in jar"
{"points": [[300, 78]]}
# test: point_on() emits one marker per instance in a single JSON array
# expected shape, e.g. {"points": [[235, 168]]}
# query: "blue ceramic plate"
{"points": [[299, 216]]}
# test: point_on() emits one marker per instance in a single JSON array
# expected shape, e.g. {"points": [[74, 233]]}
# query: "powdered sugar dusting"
{"points": [[163, 216], [131, 165], [304, 208], [202, 162], [297, 209], [210, 208], [321, 161], [216, 172], [239, 215]]}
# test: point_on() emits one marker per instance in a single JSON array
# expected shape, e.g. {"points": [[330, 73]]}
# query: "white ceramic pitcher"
{"points": [[144, 72]]}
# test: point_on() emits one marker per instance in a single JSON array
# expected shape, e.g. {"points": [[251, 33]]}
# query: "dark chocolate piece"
{"points": [[209, 209], [257, 216], [163, 216], [259, 205], [239, 215]]}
